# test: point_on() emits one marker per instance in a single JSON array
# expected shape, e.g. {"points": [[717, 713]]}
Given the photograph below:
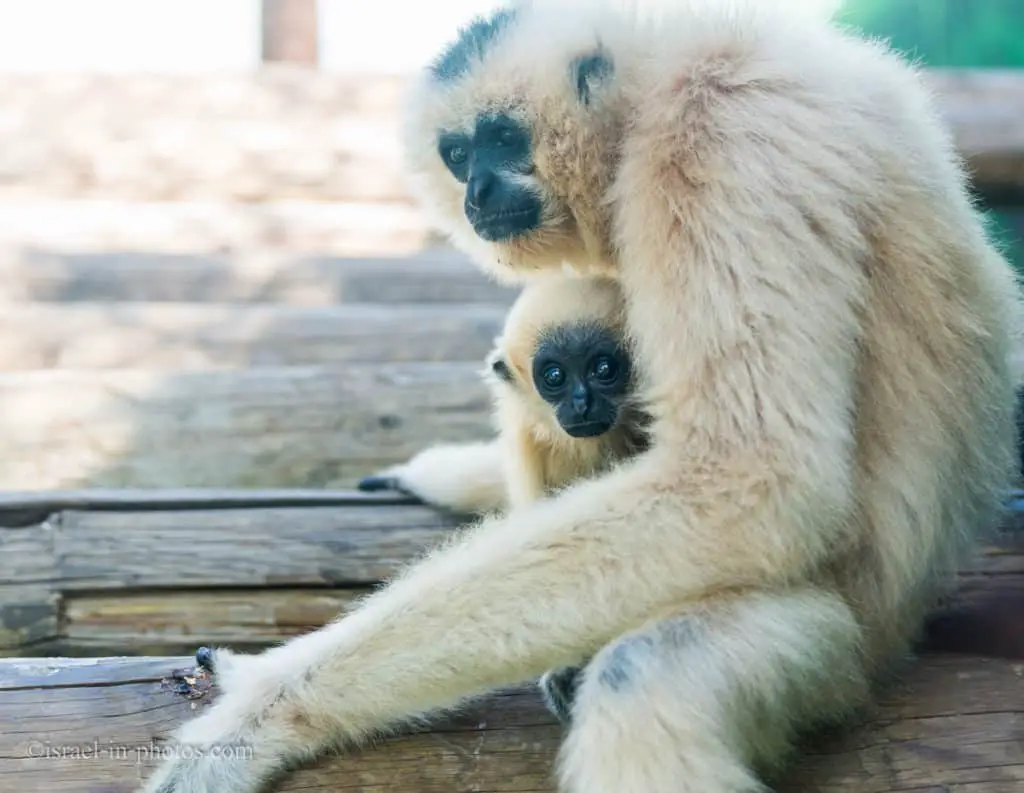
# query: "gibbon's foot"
{"points": [[204, 659], [558, 689]]}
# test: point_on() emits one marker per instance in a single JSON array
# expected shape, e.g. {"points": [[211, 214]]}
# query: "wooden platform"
{"points": [[162, 572]]}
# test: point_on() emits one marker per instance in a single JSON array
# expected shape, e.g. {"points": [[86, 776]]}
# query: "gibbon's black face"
{"points": [[583, 372], [495, 160], [497, 204]]}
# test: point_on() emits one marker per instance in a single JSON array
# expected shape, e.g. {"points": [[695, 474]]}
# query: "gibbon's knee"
{"points": [[711, 697]]}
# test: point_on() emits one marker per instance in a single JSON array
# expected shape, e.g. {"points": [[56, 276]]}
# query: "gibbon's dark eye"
{"points": [[455, 155], [604, 368], [507, 137], [553, 376]]}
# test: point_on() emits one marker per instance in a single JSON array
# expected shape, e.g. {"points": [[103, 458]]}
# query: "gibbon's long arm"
{"points": [[468, 478], [746, 324]]}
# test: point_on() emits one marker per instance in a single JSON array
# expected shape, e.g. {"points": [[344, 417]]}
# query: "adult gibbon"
{"points": [[823, 331], [562, 382]]}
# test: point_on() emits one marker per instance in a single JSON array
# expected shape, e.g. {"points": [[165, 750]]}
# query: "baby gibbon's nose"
{"points": [[580, 403]]}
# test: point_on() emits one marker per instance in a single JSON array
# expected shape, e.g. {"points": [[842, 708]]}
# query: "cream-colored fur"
{"points": [[825, 334], [532, 456]]}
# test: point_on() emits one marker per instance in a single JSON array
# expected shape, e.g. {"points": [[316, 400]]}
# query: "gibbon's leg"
{"points": [[468, 478], [543, 587], [700, 702]]}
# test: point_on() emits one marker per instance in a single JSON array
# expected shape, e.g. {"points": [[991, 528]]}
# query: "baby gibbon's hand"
{"points": [[394, 478]]}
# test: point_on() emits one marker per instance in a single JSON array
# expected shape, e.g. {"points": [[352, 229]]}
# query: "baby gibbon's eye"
{"points": [[604, 368], [507, 137], [553, 376]]}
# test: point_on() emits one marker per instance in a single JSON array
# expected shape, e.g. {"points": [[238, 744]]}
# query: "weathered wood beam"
{"points": [[158, 572], [985, 108], [297, 426], [68, 726], [159, 336], [139, 571], [435, 277]]}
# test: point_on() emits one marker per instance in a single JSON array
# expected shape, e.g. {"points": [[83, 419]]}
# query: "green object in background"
{"points": [[946, 33], [1007, 227], [959, 34]]}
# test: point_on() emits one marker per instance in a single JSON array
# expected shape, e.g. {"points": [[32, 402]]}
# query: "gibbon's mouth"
{"points": [[590, 429], [504, 226]]}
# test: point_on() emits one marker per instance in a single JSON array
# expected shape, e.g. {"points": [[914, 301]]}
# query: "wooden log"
{"points": [[160, 336], [68, 726], [437, 276], [985, 108], [290, 31], [111, 572], [158, 572], [300, 228], [299, 426]]}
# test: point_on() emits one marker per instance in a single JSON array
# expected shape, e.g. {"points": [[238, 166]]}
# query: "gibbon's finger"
{"points": [[376, 483]]}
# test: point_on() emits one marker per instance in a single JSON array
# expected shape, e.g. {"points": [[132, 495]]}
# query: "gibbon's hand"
{"points": [[390, 479], [221, 751]]}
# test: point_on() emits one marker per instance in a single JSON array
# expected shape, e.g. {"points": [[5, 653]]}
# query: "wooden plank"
{"points": [[300, 426], [281, 547], [116, 571], [438, 276], [138, 574], [949, 722], [985, 108], [204, 227], [203, 336], [172, 622]]}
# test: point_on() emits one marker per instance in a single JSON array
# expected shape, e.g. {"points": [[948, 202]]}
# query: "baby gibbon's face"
{"points": [[583, 373]]}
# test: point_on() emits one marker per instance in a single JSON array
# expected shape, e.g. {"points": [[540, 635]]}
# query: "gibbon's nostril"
{"points": [[579, 404], [480, 188]]}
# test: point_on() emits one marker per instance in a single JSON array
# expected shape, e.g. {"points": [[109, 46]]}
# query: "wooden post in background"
{"points": [[290, 31]]}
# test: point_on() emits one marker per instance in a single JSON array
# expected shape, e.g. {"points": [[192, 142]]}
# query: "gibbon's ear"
{"points": [[589, 73], [499, 366]]}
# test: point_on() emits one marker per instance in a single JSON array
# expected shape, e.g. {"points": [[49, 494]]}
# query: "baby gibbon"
{"points": [[822, 331], [562, 383]]}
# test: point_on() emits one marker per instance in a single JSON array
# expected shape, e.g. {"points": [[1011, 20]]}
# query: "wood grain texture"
{"points": [[160, 572], [263, 275], [204, 336], [73, 726], [298, 426]]}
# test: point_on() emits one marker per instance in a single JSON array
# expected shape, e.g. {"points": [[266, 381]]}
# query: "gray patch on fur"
{"points": [[471, 44], [619, 666]]}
